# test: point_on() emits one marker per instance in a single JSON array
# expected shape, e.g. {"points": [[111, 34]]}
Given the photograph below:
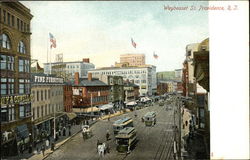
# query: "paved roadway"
{"points": [[154, 143]]}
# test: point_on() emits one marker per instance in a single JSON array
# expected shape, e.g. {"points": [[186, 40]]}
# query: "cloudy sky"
{"points": [[103, 30]]}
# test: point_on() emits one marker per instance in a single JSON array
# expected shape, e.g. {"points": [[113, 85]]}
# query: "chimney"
{"points": [[86, 60], [90, 76], [76, 78]]}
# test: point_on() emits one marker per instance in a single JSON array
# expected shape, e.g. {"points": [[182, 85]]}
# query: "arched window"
{"points": [[5, 41], [21, 47]]}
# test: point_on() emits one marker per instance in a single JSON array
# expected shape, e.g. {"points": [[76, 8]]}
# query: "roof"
{"points": [[120, 121], [68, 62], [86, 82], [129, 67], [150, 114], [126, 130]]}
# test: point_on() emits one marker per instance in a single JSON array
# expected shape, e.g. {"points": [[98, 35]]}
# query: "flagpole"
{"points": [[50, 60]]}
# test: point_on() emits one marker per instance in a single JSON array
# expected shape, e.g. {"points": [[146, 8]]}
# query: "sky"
{"points": [[103, 30]]}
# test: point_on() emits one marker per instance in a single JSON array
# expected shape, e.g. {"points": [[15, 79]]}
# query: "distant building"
{"points": [[67, 70], [16, 125], [131, 91], [143, 76], [68, 97], [87, 94], [116, 95], [162, 87], [165, 76], [178, 74], [133, 59]]}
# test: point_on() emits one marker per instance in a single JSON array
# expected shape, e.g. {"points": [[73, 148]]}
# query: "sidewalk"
{"points": [[62, 139]]}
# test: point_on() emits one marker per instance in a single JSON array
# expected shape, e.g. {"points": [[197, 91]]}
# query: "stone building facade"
{"points": [[47, 104], [16, 126]]}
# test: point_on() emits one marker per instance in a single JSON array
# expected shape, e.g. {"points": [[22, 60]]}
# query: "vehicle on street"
{"points": [[86, 132], [149, 118], [126, 140], [122, 123], [161, 103]]}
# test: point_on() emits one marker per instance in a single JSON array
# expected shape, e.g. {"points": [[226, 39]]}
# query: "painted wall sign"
{"points": [[16, 99], [45, 79]]}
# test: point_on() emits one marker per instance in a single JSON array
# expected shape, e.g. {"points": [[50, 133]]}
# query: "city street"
{"points": [[154, 142]]}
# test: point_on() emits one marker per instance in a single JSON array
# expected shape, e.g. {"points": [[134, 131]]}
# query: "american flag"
{"points": [[155, 55], [52, 40], [133, 43]]}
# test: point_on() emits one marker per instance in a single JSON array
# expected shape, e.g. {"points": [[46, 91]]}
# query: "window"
{"points": [[37, 95], [3, 62], [21, 111], [33, 113], [4, 16], [8, 18], [5, 41], [27, 86], [7, 62], [21, 25], [3, 86], [21, 47], [24, 65], [11, 112], [46, 110], [10, 63], [18, 23], [37, 110], [48, 94], [41, 111], [41, 95], [11, 86], [13, 21], [45, 94], [28, 110], [21, 86], [4, 114], [21, 65]]}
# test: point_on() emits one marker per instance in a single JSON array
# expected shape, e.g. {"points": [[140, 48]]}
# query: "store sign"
{"points": [[44, 79], [16, 99]]}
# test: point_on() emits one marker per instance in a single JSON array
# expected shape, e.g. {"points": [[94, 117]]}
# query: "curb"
{"points": [[63, 142]]}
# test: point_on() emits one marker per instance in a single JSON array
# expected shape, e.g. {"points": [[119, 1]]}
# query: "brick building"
{"points": [[88, 93]]}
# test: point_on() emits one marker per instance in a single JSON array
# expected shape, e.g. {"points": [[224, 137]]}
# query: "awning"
{"points": [[22, 131], [86, 110], [106, 106], [71, 115]]}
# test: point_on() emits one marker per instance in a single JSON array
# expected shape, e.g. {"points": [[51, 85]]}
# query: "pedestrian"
{"points": [[30, 148], [87, 122], [52, 146], [83, 135], [64, 131], [69, 132], [43, 149], [107, 135], [47, 143]]}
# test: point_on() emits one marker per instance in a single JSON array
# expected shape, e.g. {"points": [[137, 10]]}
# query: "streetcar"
{"points": [[126, 140], [150, 118], [122, 123]]}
